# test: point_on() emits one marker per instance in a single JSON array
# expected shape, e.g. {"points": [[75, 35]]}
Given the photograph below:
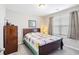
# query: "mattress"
{"points": [[36, 39]]}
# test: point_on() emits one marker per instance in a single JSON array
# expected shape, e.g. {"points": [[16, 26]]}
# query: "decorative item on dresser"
{"points": [[10, 39]]}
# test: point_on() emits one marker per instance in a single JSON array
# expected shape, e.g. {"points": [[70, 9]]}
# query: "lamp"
{"points": [[44, 29]]}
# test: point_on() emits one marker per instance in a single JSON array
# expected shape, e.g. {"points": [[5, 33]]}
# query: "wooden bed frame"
{"points": [[48, 48]]}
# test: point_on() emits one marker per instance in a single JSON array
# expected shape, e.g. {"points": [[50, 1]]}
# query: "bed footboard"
{"points": [[50, 47]]}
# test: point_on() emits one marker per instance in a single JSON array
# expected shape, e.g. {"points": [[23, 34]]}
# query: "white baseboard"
{"points": [[72, 47]]}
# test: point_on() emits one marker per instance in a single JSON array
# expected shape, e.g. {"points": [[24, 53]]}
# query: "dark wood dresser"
{"points": [[10, 39]]}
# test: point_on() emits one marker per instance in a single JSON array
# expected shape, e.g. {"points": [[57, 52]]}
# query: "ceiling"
{"points": [[33, 10]]}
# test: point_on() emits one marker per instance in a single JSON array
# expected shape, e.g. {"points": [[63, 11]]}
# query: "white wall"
{"points": [[21, 21], [2, 15]]}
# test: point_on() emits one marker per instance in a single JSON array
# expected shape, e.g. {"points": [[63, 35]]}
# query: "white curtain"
{"points": [[74, 25], [50, 30]]}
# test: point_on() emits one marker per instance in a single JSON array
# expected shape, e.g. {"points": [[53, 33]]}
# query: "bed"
{"points": [[41, 44]]}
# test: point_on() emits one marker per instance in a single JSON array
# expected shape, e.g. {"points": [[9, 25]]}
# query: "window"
{"points": [[61, 24]]}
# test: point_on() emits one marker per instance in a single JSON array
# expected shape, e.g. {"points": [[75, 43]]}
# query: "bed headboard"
{"points": [[28, 30]]}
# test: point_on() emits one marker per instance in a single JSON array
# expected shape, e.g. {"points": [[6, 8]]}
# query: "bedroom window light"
{"points": [[41, 5]]}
